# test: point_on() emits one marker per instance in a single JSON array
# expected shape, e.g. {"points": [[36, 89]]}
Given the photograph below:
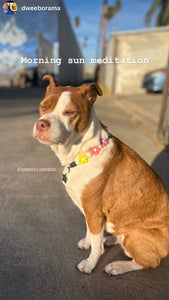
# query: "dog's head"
{"points": [[64, 111]]}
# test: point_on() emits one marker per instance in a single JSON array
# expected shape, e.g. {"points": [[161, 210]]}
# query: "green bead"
{"points": [[64, 178], [108, 134]]}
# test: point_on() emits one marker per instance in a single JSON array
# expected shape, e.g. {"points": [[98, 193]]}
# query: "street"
{"points": [[39, 224]]}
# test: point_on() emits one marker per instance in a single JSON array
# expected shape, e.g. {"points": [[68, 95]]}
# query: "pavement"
{"points": [[144, 109], [39, 224]]}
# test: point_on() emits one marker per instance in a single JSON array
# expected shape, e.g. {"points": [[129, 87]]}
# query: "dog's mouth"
{"points": [[44, 136], [43, 139], [41, 135]]}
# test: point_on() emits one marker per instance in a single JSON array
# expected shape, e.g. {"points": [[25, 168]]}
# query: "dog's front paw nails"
{"points": [[85, 266], [83, 244]]}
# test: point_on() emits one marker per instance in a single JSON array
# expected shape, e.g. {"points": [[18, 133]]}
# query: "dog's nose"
{"points": [[42, 125]]}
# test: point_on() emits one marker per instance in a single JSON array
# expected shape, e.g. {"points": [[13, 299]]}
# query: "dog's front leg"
{"points": [[97, 249], [85, 243]]}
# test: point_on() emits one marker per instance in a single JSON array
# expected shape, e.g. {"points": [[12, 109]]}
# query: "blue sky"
{"points": [[130, 17]]}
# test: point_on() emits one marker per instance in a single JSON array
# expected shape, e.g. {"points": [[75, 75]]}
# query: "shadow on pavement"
{"points": [[19, 102], [21, 93], [21, 113], [161, 166]]}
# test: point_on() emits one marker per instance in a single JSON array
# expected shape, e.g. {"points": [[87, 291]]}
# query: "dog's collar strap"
{"points": [[83, 158]]}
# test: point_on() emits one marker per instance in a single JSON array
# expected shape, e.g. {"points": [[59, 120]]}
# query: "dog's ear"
{"points": [[52, 83], [91, 91]]}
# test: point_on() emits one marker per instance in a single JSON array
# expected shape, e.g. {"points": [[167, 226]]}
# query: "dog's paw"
{"points": [[110, 241], [116, 268], [83, 244], [120, 267], [85, 266]]}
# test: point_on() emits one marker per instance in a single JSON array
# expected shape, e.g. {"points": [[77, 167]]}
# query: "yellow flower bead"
{"points": [[83, 159]]}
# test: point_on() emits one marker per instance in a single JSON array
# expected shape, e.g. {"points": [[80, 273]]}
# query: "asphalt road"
{"points": [[39, 224]]}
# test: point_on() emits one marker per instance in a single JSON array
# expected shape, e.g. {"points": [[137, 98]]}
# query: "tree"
{"points": [[108, 13], [77, 21], [112, 10], [162, 6]]}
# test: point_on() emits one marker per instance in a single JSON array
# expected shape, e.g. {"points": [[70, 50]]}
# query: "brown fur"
{"points": [[129, 194]]}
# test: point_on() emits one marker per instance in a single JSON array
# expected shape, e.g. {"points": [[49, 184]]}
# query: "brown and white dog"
{"points": [[112, 185]]}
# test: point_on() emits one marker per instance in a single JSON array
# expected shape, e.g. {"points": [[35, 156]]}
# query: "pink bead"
{"points": [[103, 142]]}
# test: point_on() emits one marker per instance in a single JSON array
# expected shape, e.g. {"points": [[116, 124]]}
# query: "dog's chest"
{"points": [[81, 175], [78, 178]]}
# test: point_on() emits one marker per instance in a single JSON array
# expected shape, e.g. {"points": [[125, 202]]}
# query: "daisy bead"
{"points": [[94, 150]]}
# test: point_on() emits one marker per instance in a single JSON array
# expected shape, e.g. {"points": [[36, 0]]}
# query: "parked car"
{"points": [[154, 81]]}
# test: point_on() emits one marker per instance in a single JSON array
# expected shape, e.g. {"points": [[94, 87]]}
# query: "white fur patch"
{"points": [[120, 239], [81, 175], [109, 226], [63, 102], [57, 117]]}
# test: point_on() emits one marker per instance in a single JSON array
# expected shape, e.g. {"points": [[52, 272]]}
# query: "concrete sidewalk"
{"points": [[144, 109], [39, 224], [147, 105]]}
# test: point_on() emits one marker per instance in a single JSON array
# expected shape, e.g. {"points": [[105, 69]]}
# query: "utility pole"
{"points": [[160, 130], [104, 27], [108, 12]]}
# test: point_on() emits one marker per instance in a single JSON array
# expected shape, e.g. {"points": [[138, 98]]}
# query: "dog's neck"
{"points": [[80, 143]]}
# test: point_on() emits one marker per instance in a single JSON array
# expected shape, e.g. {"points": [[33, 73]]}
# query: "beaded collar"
{"points": [[83, 158]]}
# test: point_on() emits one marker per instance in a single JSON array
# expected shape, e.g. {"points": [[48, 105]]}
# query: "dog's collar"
{"points": [[84, 157]]}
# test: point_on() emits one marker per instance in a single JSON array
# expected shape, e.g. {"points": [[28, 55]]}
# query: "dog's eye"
{"points": [[69, 113]]}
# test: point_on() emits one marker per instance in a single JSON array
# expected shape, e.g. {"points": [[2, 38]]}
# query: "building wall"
{"points": [[44, 50], [127, 78], [68, 48]]}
